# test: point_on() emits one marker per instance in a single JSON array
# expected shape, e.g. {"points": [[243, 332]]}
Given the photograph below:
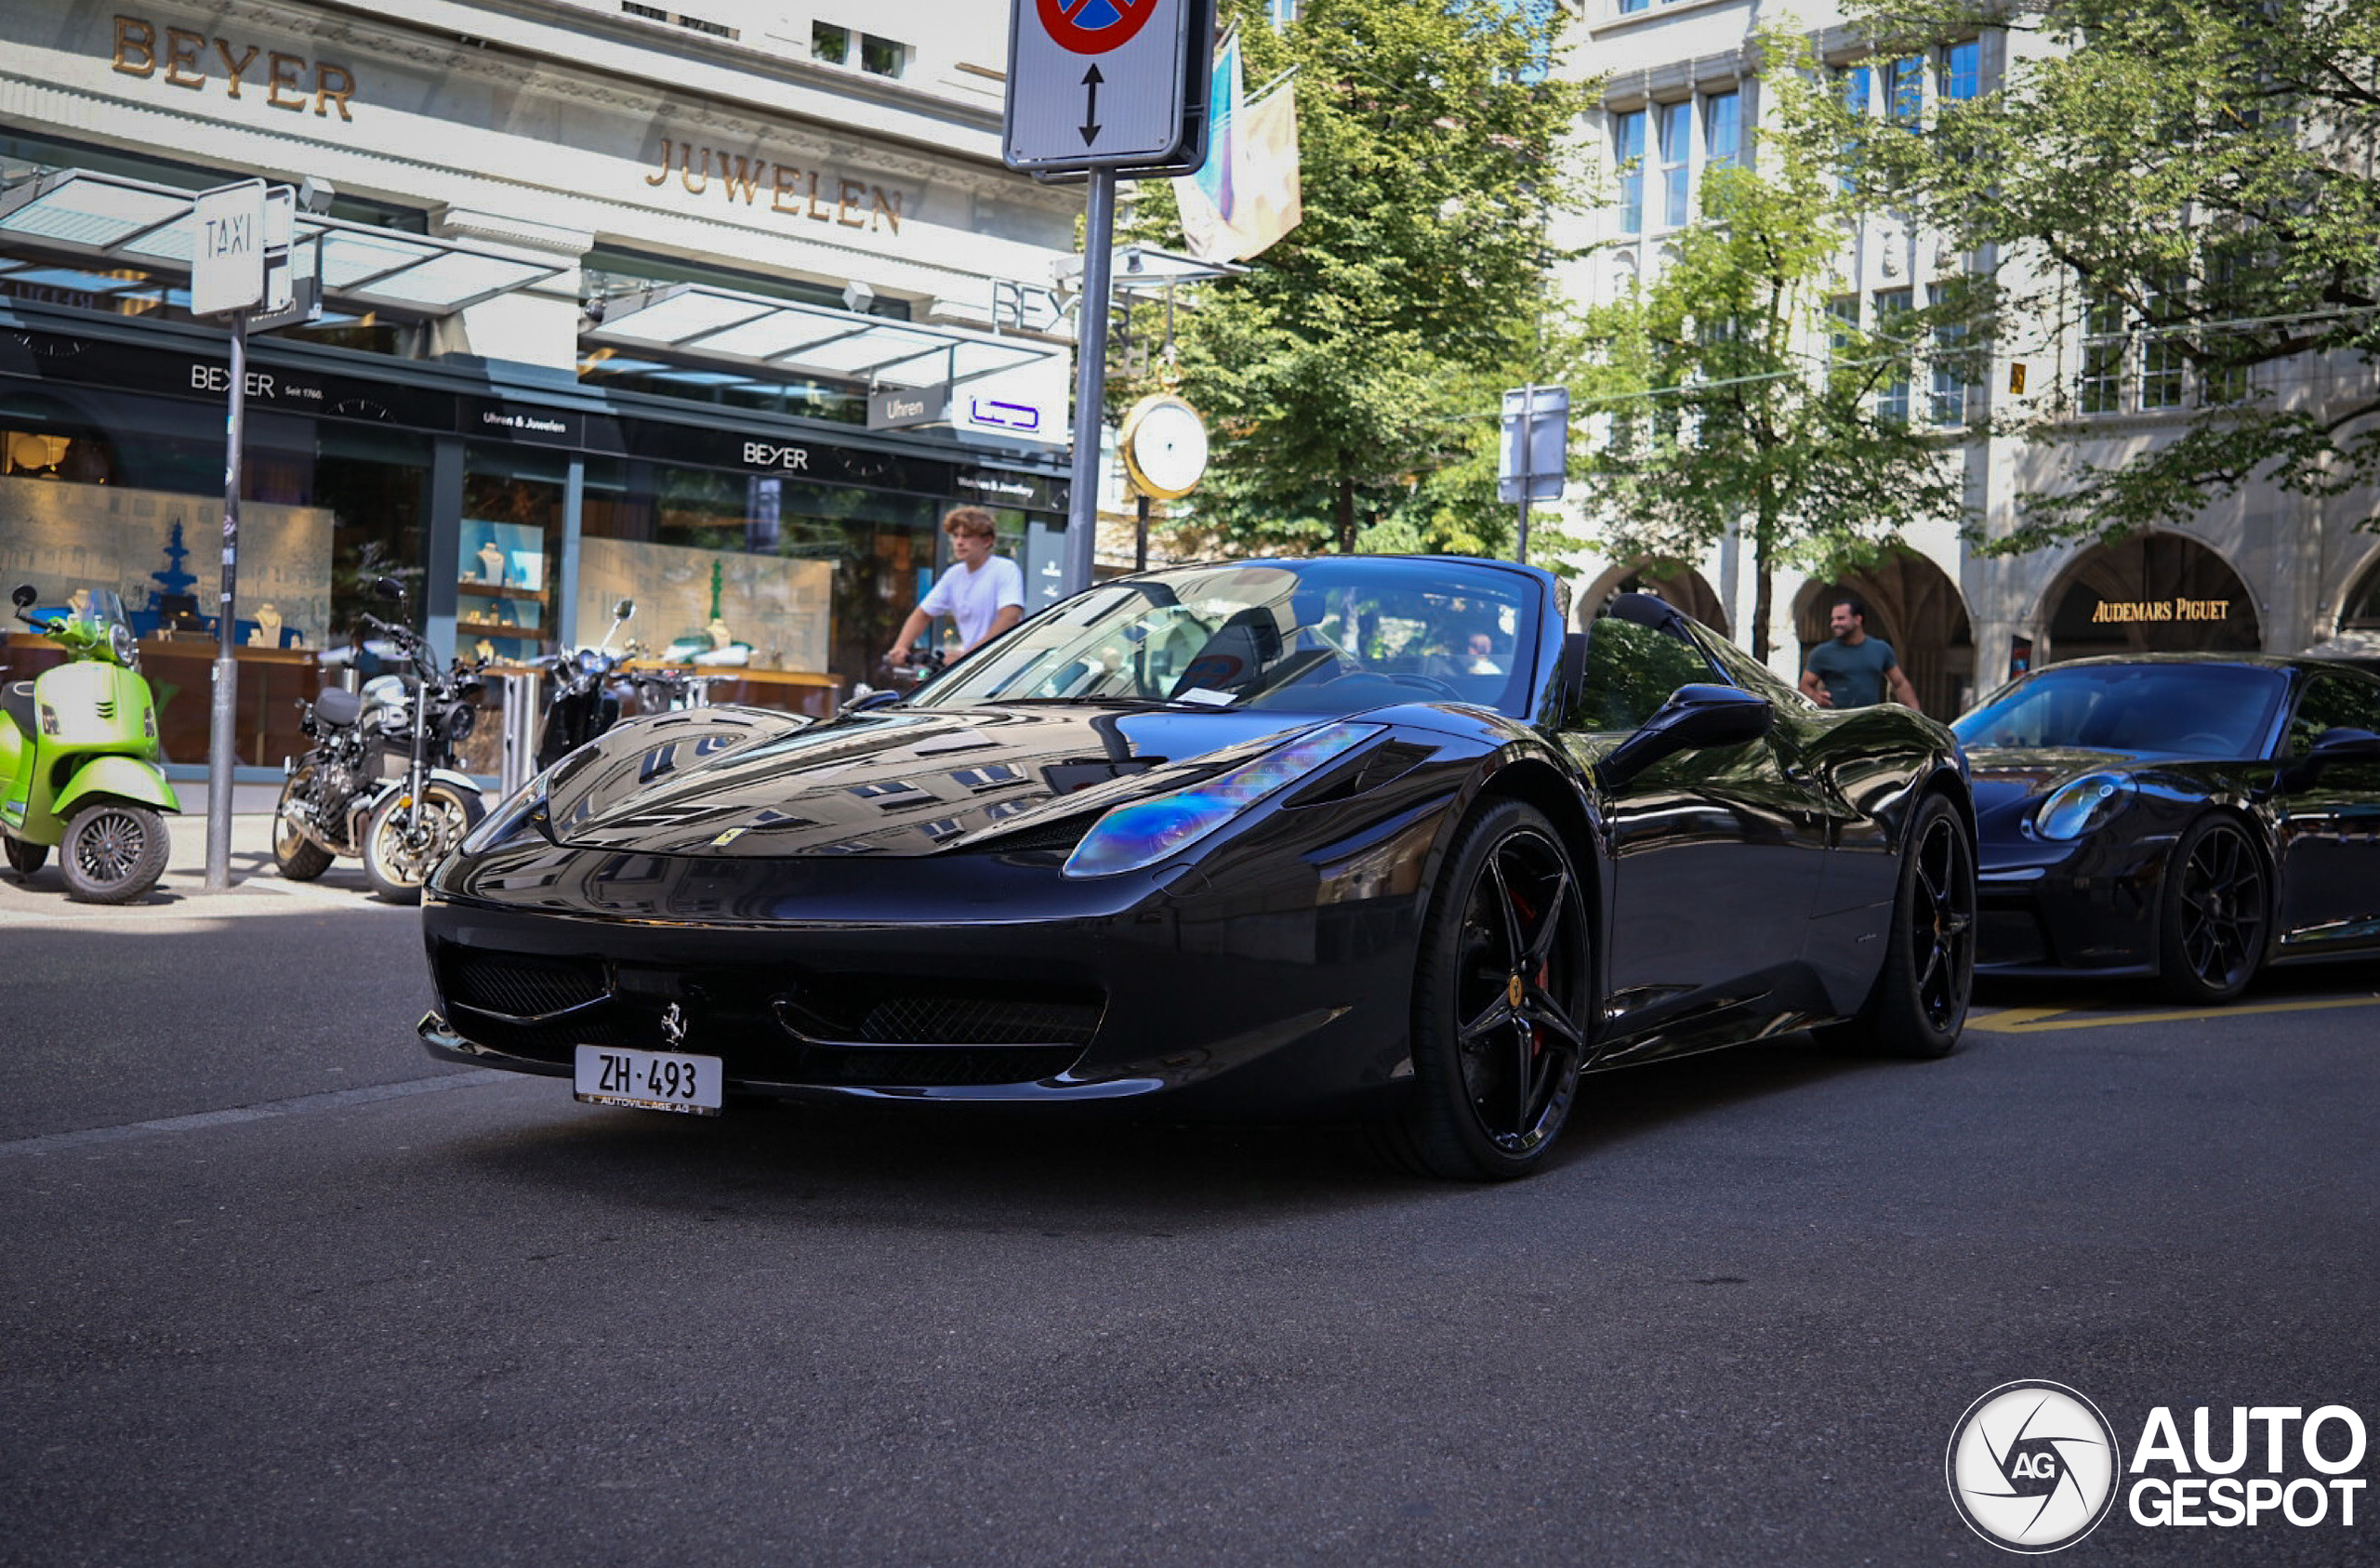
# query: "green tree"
{"points": [[1735, 400], [1351, 377], [2193, 179]]}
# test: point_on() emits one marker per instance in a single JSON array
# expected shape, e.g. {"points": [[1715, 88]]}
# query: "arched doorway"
{"points": [[1914, 605], [2155, 593], [1681, 585]]}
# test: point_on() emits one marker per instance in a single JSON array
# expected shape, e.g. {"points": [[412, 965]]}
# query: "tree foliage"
{"points": [[1351, 377], [2202, 168], [1734, 398]]}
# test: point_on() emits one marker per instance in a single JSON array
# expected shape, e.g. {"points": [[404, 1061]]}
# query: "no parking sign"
{"points": [[1107, 83]]}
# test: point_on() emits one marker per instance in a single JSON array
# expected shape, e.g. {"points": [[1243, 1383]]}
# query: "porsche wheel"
{"points": [[297, 857], [113, 854], [25, 859], [1919, 1003], [1500, 990], [2214, 914], [400, 847]]}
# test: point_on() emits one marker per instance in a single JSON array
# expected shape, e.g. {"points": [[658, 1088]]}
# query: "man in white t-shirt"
{"points": [[983, 592]]}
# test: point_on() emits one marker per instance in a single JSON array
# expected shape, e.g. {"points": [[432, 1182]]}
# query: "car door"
{"points": [[2329, 827], [1715, 857]]}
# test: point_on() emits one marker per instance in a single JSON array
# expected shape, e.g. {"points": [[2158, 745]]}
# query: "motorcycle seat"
{"points": [[338, 705], [17, 701]]}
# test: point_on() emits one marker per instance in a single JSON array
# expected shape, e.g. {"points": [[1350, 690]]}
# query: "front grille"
{"points": [[898, 1010], [521, 987], [935, 1069]]}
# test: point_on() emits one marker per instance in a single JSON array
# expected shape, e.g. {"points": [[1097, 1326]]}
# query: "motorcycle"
{"points": [[81, 771], [584, 700], [380, 782]]}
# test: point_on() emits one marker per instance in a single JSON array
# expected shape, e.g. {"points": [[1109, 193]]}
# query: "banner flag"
{"points": [[1271, 200], [1207, 197]]}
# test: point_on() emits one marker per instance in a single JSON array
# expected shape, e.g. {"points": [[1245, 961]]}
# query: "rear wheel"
{"points": [[297, 857], [400, 847], [2212, 919], [112, 852], [1919, 1003], [24, 858], [1501, 988]]}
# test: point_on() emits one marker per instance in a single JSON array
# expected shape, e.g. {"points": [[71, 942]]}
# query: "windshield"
{"points": [[2199, 710], [1334, 636], [97, 608]]}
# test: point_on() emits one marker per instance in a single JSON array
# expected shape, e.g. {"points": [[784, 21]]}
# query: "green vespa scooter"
{"points": [[79, 760]]}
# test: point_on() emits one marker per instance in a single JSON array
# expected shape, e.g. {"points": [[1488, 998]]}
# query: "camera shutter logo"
{"points": [[2032, 1466]]}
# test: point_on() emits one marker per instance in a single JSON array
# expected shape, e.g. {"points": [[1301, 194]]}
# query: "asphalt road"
{"points": [[282, 1290]]}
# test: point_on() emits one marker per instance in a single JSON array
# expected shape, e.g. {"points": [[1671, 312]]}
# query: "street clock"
{"points": [[1165, 446]]}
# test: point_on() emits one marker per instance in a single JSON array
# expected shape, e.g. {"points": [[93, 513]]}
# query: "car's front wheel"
{"points": [[2213, 918], [1919, 1003], [1500, 992]]}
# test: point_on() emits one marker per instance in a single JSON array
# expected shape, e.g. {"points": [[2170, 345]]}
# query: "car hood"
{"points": [[895, 782], [2001, 775]]}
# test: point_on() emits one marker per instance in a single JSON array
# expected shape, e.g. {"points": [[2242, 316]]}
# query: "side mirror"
{"points": [[1695, 718], [2332, 747], [24, 596], [623, 610], [388, 588], [866, 701]]}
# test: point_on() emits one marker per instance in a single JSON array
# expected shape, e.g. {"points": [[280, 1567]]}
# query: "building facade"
{"points": [[2263, 569], [618, 302]]}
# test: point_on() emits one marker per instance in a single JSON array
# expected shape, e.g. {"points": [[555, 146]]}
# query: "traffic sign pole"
{"points": [[1091, 379], [220, 758]]}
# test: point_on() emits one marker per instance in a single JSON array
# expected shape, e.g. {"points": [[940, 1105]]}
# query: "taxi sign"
{"points": [[1105, 84]]}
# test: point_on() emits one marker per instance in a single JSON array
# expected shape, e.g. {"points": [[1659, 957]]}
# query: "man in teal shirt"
{"points": [[1854, 670]]}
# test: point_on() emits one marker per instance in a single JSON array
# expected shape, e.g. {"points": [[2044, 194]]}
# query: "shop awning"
{"points": [[754, 333], [92, 223]]}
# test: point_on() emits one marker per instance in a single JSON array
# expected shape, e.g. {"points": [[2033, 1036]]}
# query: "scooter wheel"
{"points": [[112, 852], [25, 858], [398, 857]]}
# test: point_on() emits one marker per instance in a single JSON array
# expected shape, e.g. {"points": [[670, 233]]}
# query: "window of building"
{"points": [[1961, 74], [1678, 120], [1843, 327], [1629, 8], [1283, 12], [838, 44], [1627, 146], [1948, 401], [1905, 91], [1723, 129], [2100, 388], [1894, 309], [2161, 360], [1852, 82]]}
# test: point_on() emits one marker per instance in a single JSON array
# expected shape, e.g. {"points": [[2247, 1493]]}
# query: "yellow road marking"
{"points": [[2038, 1020]]}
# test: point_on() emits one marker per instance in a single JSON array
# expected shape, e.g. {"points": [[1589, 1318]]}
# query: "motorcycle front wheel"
{"points": [[112, 852], [399, 847], [297, 857]]}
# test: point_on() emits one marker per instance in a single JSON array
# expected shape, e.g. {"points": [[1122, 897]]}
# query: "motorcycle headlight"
{"points": [[524, 808], [2083, 805], [460, 720], [128, 651], [1144, 831]]}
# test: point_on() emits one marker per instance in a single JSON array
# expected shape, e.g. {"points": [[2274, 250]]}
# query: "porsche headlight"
{"points": [[1147, 831], [2083, 805], [523, 807]]}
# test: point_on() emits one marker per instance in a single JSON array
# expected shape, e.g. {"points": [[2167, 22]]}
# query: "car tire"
{"points": [[1502, 986], [2214, 914], [112, 852], [1918, 1004], [397, 866], [297, 857], [25, 858]]}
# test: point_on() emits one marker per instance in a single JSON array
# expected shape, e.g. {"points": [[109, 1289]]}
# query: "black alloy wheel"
{"points": [[2217, 910], [1919, 1003], [25, 857], [113, 854], [1500, 991]]}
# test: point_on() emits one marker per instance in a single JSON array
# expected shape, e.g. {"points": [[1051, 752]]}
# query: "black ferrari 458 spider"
{"points": [[2191, 817], [1358, 835]]}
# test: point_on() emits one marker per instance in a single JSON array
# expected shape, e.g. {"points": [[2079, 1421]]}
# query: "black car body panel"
{"points": [[2093, 903], [877, 906]]}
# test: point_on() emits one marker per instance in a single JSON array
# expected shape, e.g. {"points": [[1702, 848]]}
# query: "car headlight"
{"points": [[2079, 806], [1144, 831], [523, 807]]}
